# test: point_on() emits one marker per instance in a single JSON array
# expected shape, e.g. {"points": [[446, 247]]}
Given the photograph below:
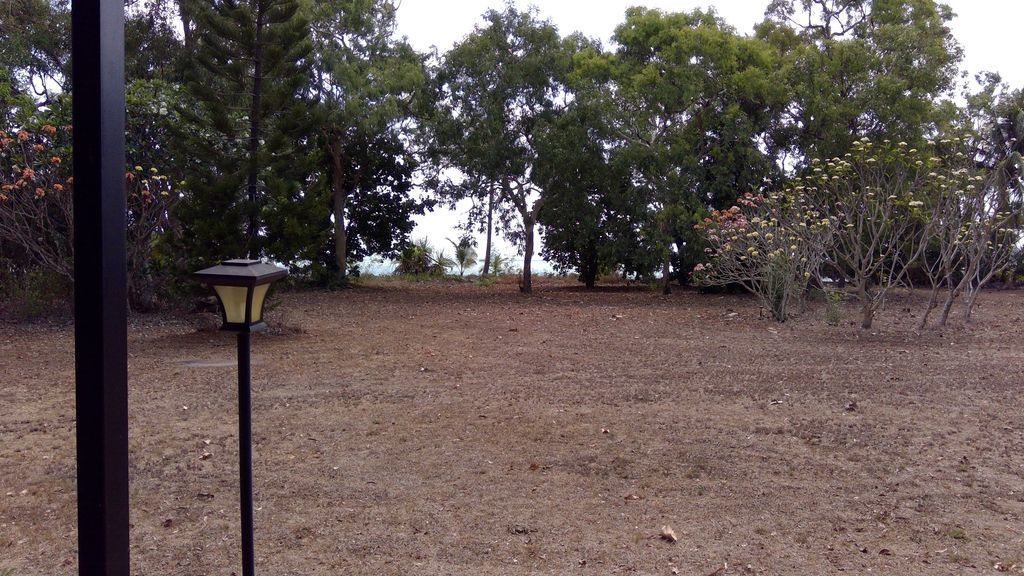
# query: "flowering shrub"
{"points": [[973, 231], [35, 197], [874, 195], [971, 236], [867, 218], [36, 213], [770, 245], [896, 203]]}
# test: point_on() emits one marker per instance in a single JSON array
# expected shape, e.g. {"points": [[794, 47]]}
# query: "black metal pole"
{"points": [[101, 373], [245, 452]]}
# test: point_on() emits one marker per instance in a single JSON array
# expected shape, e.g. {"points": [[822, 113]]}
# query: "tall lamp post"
{"points": [[241, 288]]}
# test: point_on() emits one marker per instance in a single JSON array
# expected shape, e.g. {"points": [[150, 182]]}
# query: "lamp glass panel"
{"points": [[258, 294], [233, 300]]}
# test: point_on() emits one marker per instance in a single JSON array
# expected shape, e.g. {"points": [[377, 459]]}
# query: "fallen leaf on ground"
{"points": [[722, 568], [668, 534]]}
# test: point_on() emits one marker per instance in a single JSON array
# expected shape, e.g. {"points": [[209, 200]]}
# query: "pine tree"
{"points": [[249, 68]]}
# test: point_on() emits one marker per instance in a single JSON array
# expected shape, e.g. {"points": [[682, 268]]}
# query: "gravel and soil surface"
{"points": [[451, 428]]}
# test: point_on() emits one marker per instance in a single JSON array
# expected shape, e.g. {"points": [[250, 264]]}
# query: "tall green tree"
{"points": [[35, 48], [153, 49], [860, 68], [995, 119], [366, 80], [15, 106], [591, 212], [689, 103], [247, 130], [35, 45], [495, 87]]}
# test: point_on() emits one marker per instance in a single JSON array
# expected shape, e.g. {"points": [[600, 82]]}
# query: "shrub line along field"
{"points": [[450, 428]]}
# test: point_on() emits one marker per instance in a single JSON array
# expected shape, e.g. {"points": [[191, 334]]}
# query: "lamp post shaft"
{"points": [[245, 452]]}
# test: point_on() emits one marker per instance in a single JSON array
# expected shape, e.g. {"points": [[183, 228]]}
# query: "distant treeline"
{"points": [[310, 133]]}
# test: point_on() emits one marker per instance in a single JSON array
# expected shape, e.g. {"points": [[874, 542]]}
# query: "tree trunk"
{"points": [[530, 218], [490, 230], [588, 268], [682, 279], [254, 135], [527, 284], [666, 265], [972, 289], [969, 300], [868, 315], [867, 307], [185, 14], [932, 302], [950, 298], [954, 291], [666, 274], [339, 198]]}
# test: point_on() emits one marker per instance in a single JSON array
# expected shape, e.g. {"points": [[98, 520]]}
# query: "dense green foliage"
{"points": [[592, 211], [688, 102], [366, 86], [860, 68], [496, 89], [247, 150]]}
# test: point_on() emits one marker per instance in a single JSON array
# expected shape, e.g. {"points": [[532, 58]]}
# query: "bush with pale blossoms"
{"points": [[769, 245]]}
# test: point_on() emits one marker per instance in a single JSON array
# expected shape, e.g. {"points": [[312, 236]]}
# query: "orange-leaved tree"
{"points": [[36, 208]]}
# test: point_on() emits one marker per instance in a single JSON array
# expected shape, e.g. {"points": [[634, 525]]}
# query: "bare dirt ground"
{"points": [[448, 428]]}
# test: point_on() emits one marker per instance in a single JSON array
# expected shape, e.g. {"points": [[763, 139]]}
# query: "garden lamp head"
{"points": [[241, 288]]}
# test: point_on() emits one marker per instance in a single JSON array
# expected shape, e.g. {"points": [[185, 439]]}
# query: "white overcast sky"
{"points": [[986, 29]]}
